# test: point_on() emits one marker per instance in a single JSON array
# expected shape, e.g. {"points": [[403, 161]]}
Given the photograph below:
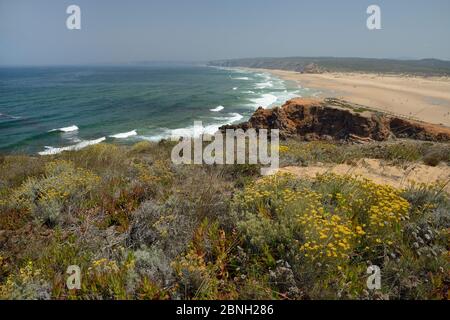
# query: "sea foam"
{"points": [[233, 117], [195, 131], [124, 135], [83, 144], [266, 100], [217, 109], [264, 85], [7, 116], [66, 129]]}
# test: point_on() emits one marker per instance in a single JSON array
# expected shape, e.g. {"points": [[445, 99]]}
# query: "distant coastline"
{"points": [[423, 67]]}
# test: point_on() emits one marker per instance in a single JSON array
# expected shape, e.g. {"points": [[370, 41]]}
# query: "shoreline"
{"points": [[425, 99]]}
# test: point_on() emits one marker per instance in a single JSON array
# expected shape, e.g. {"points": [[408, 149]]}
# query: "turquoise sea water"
{"points": [[47, 110]]}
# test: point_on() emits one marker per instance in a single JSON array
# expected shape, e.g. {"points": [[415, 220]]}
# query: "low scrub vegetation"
{"points": [[295, 152], [140, 227]]}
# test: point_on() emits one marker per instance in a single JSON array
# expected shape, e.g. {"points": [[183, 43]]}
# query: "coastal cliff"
{"points": [[338, 120]]}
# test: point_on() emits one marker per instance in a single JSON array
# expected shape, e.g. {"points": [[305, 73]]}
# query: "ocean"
{"points": [[46, 110]]}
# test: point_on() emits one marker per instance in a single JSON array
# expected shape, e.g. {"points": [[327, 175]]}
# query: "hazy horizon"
{"points": [[119, 33], [170, 63]]}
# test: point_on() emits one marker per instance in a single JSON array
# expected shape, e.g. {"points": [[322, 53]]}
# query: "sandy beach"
{"points": [[425, 99]]}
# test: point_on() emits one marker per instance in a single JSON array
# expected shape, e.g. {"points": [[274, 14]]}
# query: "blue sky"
{"points": [[34, 32]]}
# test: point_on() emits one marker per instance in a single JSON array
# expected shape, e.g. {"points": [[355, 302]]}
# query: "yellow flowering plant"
{"points": [[25, 284], [326, 223]]}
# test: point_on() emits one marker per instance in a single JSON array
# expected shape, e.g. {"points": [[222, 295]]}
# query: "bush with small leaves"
{"points": [[62, 188]]}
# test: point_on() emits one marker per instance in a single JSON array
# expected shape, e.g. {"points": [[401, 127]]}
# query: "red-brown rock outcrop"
{"points": [[333, 119]]}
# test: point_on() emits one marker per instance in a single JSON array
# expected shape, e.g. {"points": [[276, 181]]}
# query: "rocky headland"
{"points": [[338, 120]]}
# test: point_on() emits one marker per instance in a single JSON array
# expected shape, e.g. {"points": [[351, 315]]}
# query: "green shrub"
{"points": [[142, 147], [15, 169], [433, 158], [304, 153], [107, 160], [203, 270], [402, 152], [62, 187]]}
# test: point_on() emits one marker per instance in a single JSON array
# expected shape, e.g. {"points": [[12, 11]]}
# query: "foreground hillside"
{"points": [[140, 227]]}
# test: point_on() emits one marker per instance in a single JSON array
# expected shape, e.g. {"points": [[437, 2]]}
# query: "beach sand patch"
{"points": [[379, 172]]}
